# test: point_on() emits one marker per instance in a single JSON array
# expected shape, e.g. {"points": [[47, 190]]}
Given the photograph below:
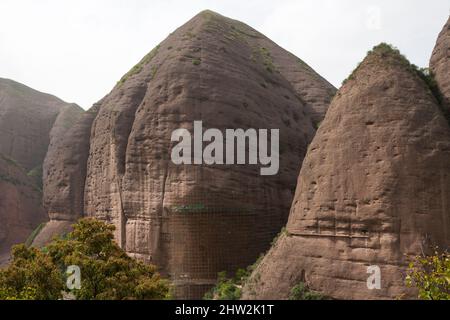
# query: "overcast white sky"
{"points": [[78, 49]]}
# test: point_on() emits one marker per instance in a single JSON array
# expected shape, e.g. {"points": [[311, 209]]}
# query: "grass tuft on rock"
{"points": [[138, 68]]}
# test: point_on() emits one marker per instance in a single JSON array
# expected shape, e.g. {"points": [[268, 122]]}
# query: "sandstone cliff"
{"points": [[20, 206], [26, 120], [374, 189], [64, 177], [192, 221], [440, 65], [31, 123]]}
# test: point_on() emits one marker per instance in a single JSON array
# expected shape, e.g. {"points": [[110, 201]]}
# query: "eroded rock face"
{"points": [[64, 177], [20, 207], [65, 170], [374, 189], [440, 64], [194, 221], [26, 119], [313, 90]]}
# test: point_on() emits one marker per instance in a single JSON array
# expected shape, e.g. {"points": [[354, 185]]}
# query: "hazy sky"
{"points": [[78, 49]]}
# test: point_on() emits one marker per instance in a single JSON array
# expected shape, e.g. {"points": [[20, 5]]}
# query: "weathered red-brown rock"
{"points": [[193, 221], [313, 90], [26, 119], [374, 189], [31, 122], [64, 177], [20, 206], [440, 64]]}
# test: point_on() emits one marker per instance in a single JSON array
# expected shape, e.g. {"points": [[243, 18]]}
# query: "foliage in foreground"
{"points": [[431, 276], [107, 272]]}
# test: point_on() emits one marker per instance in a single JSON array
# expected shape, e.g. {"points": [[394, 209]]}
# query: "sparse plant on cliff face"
{"points": [[431, 276], [302, 292], [138, 68], [107, 273], [283, 232], [36, 175], [34, 234]]}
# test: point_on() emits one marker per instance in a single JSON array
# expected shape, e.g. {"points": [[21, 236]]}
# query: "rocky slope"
{"points": [[20, 206], [440, 64], [191, 220], [26, 120], [374, 189]]}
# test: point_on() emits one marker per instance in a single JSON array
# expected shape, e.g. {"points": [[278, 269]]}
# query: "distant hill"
{"points": [[27, 117], [31, 122], [21, 211]]}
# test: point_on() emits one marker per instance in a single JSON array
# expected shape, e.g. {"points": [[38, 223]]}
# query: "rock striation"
{"points": [[374, 189], [20, 206], [64, 176], [193, 221]]}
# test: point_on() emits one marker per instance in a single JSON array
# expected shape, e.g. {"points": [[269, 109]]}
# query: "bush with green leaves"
{"points": [[228, 288], [302, 292], [231, 288], [32, 275], [431, 276], [107, 272]]}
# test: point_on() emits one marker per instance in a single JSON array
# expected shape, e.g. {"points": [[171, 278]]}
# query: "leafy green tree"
{"points": [[32, 275], [107, 272], [431, 276]]}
